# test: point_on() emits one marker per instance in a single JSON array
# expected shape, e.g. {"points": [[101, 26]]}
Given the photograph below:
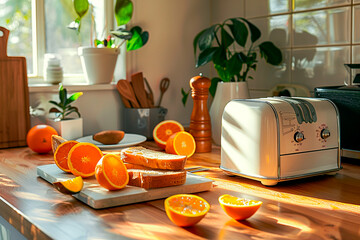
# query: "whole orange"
{"points": [[39, 138]]}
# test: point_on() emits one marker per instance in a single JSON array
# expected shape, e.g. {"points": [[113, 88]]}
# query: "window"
{"points": [[38, 27]]}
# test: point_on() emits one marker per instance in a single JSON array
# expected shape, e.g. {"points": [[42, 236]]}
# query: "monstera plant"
{"points": [[135, 37], [226, 45]]}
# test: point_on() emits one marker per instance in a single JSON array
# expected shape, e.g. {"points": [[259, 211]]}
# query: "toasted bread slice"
{"points": [[136, 166], [153, 159], [155, 178]]}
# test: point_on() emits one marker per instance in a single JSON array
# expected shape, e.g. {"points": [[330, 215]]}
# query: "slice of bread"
{"points": [[153, 159], [155, 178]]}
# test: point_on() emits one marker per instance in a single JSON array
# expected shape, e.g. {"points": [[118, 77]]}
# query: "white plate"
{"points": [[128, 140]]}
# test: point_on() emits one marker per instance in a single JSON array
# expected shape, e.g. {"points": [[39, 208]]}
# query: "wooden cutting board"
{"points": [[98, 197], [14, 97]]}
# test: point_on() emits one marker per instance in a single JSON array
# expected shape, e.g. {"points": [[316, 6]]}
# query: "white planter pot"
{"points": [[98, 64], [70, 129], [225, 92]]}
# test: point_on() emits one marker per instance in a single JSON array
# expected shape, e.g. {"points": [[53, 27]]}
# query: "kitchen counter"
{"points": [[322, 207]]}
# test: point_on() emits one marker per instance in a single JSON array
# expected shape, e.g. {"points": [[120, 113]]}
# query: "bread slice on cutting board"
{"points": [[153, 159], [153, 169], [147, 179]]}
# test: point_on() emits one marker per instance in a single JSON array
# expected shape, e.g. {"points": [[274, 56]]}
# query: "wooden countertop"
{"points": [[322, 207]]}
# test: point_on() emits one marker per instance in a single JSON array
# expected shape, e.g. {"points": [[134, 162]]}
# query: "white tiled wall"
{"points": [[317, 37]]}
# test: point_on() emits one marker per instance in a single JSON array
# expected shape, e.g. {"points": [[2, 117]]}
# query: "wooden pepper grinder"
{"points": [[200, 124]]}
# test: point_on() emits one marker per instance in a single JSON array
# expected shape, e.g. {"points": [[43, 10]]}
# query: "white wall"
{"points": [[173, 24]]}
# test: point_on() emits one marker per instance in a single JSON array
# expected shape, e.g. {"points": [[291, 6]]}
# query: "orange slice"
{"points": [[181, 143], [164, 130], [238, 208], [61, 155], [56, 141], [70, 186], [186, 209], [111, 173], [82, 159]]}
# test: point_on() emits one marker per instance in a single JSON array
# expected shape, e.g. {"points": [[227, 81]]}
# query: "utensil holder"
{"points": [[143, 120]]}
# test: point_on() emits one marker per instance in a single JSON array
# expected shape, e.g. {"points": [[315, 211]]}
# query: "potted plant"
{"points": [[68, 128], [99, 60], [226, 46]]}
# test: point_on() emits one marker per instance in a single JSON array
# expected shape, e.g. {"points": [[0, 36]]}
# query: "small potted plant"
{"points": [[225, 45], [67, 127], [99, 60]]}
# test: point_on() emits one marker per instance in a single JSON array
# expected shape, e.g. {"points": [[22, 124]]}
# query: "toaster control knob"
{"points": [[325, 133], [299, 136]]}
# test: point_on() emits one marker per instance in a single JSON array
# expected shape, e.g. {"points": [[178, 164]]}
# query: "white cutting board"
{"points": [[98, 197]]}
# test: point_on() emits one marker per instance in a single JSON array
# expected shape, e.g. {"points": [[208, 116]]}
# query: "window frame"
{"points": [[39, 44]]}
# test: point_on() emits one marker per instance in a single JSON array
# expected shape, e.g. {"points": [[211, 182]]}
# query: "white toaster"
{"points": [[280, 138]]}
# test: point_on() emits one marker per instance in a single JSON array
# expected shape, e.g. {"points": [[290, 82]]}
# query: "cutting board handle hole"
{"points": [[1, 33]]}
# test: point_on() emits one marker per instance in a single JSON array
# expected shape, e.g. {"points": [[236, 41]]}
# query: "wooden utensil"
{"points": [[137, 81], [164, 85], [125, 89], [149, 93], [14, 97], [125, 101]]}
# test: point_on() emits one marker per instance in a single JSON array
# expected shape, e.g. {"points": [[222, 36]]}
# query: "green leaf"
{"points": [[243, 58], [73, 97], [136, 41], [98, 42], [123, 11], [55, 103], [226, 39], [223, 73], [219, 56], [62, 95], [205, 56], [185, 96], [206, 38], [234, 65], [196, 39], [213, 86], [71, 110], [144, 37], [255, 32], [81, 7], [239, 31], [270, 53]]}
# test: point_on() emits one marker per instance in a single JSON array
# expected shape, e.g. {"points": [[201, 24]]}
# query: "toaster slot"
{"points": [[310, 109], [295, 106]]}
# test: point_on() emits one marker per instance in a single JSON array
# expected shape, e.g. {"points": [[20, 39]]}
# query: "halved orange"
{"points": [[186, 209], [61, 155], [82, 159], [164, 130], [70, 186], [238, 208], [181, 143], [111, 173]]}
